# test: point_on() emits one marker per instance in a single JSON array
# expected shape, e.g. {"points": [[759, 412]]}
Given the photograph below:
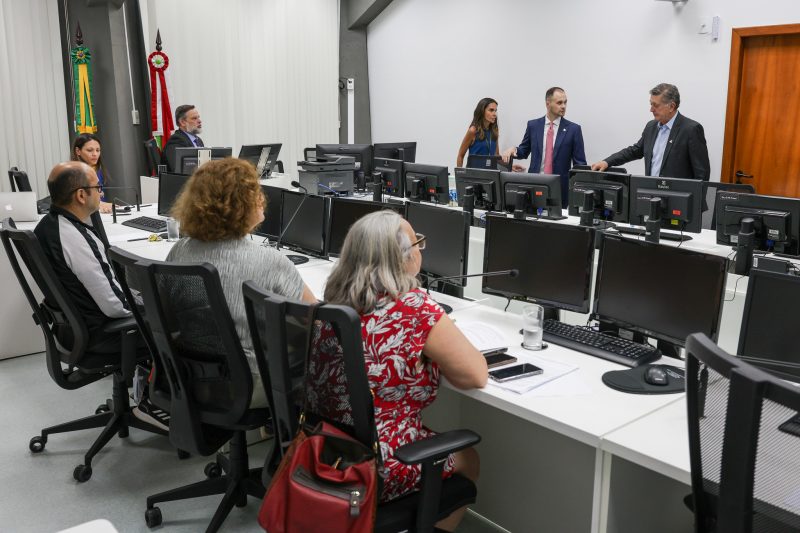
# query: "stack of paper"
{"points": [[551, 370], [484, 338]]}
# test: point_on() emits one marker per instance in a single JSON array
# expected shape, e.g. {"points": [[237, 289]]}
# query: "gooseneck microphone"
{"points": [[433, 279], [296, 259], [116, 199], [744, 246], [652, 226]]}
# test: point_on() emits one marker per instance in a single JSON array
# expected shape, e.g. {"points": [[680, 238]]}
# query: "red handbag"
{"points": [[326, 482]]}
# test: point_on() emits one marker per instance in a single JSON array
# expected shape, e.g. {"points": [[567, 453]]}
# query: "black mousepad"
{"points": [[632, 380]]}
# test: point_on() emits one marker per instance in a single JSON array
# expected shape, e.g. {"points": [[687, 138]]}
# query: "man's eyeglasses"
{"points": [[98, 187], [420, 241]]}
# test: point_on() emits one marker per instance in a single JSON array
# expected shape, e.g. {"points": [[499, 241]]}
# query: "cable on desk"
{"points": [[508, 302], [735, 285]]}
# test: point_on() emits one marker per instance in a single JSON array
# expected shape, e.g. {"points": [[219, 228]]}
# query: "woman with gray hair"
{"points": [[408, 340]]}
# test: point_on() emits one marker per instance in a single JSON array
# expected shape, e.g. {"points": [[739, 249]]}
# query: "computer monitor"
{"points": [[391, 174], [485, 186], [169, 186], [271, 227], [406, 152], [537, 195], [610, 191], [428, 183], [681, 202], [186, 157], [361, 152], [559, 276], [304, 231], [447, 239], [262, 156], [770, 316], [776, 220], [659, 291], [344, 212]]}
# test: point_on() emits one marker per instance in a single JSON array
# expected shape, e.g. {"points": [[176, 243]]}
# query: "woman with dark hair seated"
{"points": [[86, 148], [218, 207], [408, 340]]}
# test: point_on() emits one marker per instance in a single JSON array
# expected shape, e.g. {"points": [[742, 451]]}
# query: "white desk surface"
{"points": [[658, 442], [586, 415]]}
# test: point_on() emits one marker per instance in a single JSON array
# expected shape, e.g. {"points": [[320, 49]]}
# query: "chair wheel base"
{"points": [[212, 470], [37, 443], [102, 408], [82, 473], [153, 517]]}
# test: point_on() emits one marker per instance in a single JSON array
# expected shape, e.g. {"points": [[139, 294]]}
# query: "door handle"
{"points": [[740, 175]]}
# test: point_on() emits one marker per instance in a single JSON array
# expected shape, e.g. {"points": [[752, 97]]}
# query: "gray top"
{"points": [[238, 261]]}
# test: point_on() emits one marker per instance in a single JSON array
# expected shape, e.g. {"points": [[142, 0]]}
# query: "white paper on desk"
{"points": [[552, 370], [484, 337]]}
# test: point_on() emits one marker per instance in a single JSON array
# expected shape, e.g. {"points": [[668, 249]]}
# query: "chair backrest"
{"points": [[55, 311], [19, 180], [744, 448], [710, 189], [335, 387], [195, 337], [153, 156], [123, 263]]}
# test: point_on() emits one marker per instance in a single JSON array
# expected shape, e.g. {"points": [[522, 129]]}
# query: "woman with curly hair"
{"points": [[483, 134], [408, 342], [219, 206]]}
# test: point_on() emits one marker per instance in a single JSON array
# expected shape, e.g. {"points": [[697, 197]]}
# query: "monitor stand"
{"points": [[666, 235], [297, 259]]}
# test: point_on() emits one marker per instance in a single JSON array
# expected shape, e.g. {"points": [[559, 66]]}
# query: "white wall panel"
{"points": [[259, 71], [431, 61]]}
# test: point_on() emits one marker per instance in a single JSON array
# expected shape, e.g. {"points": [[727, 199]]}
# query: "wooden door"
{"points": [[762, 123]]}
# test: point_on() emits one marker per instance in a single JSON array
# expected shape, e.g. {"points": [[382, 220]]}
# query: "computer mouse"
{"points": [[655, 375]]}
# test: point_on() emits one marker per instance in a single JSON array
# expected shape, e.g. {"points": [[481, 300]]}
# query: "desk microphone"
{"points": [[296, 259], [115, 199], [448, 309], [744, 247]]}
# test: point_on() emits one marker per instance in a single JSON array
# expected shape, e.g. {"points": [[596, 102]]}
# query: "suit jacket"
{"points": [[567, 150], [178, 139], [685, 156]]}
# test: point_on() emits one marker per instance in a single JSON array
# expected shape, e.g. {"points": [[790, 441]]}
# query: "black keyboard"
{"points": [[153, 225], [666, 235], [588, 341]]}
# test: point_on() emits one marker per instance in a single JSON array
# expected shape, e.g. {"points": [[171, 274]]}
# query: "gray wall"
{"points": [[104, 33], [353, 63]]}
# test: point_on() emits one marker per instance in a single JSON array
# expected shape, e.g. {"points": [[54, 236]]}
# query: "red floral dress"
{"points": [[404, 382]]}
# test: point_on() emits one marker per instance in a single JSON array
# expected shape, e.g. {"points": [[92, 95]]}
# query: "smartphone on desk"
{"points": [[499, 359], [515, 372]]}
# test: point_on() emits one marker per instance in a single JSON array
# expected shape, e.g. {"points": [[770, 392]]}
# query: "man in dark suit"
{"points": [[553, 142], [190, 126], [673, 146]]}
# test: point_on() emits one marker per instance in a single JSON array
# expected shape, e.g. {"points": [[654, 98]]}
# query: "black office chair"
{"points": [[268, 315], [123, 263], [710, 191], [19, 180], [72, 364], [153, 156], [744, 443], [209, 379]]}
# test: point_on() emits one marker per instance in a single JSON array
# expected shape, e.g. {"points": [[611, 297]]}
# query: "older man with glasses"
{"points": [[77, 252]]}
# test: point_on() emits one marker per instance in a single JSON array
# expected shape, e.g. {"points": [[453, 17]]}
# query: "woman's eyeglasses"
{"points": [[420, 241]]}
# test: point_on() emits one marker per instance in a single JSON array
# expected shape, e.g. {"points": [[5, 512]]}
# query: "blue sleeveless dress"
{"points": [[485, 146]]}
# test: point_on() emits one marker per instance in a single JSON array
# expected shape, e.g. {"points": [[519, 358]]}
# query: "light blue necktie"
{"points": [[658, 149]]}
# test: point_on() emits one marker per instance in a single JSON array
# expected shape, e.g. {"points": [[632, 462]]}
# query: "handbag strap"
{"points": [[311, 317]]}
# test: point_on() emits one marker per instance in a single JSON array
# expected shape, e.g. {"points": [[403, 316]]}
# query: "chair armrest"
{"points": [[120, 324], [436, 447]]}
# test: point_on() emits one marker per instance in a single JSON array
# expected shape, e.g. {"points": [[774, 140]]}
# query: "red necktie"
{"points": [[548, 151]]}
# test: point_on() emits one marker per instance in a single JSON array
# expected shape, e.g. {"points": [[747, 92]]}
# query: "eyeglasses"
{"points": [[420, 241], [98, 187]]}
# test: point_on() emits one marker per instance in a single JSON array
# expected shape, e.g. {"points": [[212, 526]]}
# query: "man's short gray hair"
{"points": [[668, 92]]}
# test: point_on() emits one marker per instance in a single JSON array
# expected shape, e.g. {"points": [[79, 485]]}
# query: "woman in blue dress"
{"points": [[86, 148], [483, 134]]}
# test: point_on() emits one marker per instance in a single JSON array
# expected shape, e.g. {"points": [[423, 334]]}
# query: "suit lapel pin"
{"points": [[670, 141]]}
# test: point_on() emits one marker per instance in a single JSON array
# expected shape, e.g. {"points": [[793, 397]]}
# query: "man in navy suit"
{"points": [[553, 142], [672, 145], [187, 117]]}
